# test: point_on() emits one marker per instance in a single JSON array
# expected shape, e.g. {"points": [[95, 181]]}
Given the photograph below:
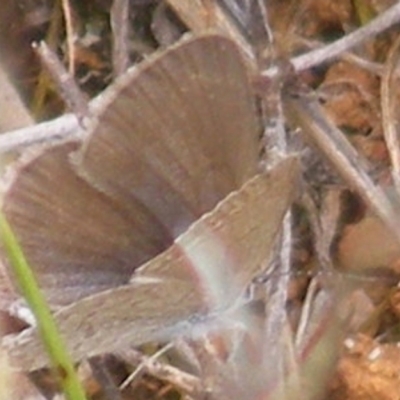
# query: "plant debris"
{"points": [[332, 239]]}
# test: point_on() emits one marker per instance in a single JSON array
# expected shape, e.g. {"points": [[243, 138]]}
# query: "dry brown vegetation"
{"points": [[340, 227]]}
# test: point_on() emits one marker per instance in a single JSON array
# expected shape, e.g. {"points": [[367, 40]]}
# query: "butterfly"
{"points": [[159, 220]]}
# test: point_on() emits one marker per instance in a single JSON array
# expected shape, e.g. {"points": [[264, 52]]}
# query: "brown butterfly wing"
{"points": [[201, 274], [107, 321], [181, 136], [77, 239]]}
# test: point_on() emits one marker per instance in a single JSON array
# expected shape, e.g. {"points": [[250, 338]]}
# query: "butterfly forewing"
{"points": [[185, 126]]}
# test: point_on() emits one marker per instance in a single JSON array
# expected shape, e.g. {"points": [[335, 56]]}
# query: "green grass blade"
{"points": [[46, 326]]}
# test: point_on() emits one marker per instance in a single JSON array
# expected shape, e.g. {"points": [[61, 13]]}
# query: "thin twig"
{"points": [[286, 244], [327, 53], [379, 24], [62, 128], [141, 367], [306, 311], [275, 140], [68, 89], [52, 38], [70, 36], [181, 380], [66, 126], [119, 16], [370, 66]]}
